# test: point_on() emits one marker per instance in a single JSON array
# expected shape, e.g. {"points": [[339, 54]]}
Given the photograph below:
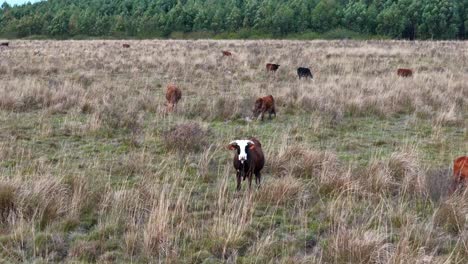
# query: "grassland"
{"points": [[358, 160]]}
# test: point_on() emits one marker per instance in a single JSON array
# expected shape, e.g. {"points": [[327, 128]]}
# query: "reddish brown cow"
{"points": [[4, 44], [272, 67], [125, 45], [405, 72], [460, 172], [173, 95], [248, 160], [226, 53], [264, 104]]}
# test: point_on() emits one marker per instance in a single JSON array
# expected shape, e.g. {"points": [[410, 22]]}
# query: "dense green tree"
{"points": [[439, 19], [59, 24], [326, 15]]}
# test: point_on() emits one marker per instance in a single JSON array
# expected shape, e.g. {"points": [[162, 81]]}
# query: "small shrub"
{"points": [[281, 191], [451, 215], [354, 246], [121, 114], [399, 174], [303, 163], [185, 137]]}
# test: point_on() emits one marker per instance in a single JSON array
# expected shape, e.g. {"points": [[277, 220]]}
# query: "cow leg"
{"points": [[239, 178], [258, 178], [250, 181], [260, 116]]}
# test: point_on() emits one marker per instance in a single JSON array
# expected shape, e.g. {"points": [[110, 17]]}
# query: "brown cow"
{"points": [[405, 72], [4, 44], [125, 45], [248, 160], [272, 67], [173, 95], [460, 172], [226, 53], [264, 104]]}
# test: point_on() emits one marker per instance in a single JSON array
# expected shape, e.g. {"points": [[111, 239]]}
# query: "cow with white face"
{"points": [[248, 160]]}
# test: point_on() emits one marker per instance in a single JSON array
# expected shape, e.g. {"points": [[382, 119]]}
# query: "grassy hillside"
{"points": [[357, 162]]}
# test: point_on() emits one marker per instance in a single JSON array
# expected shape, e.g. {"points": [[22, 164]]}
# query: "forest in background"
{"points": [[309, 19]]}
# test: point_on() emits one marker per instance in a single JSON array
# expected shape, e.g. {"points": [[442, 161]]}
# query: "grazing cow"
{"points": [[263, 105], [405, 72], [304, 72], [4, 44], [248, 160], [173, 95], [460, 172], [125, 45], [272, 67], [226, 53]]}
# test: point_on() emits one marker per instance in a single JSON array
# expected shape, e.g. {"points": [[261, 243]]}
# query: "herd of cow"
{"points": [[249, 159]]}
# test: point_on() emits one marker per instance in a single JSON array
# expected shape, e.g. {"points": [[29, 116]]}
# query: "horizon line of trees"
{"points": [[398, 19]]}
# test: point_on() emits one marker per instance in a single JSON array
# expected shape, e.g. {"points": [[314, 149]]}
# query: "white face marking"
{"points": [[242, 146]]}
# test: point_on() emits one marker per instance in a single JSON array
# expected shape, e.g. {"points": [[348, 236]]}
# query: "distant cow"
{"points": [[304, 72], [173, 95], [248, 160], [226, 53], [272, 67], [125, 45], [460, 172], [263, 105], [4, 44], [405, 72]]}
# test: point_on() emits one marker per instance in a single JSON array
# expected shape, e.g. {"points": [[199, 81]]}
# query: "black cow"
{"points": [[4, 44], [304, 72]]}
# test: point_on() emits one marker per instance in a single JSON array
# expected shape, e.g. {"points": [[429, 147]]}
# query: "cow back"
{"points": [[405, 72], [460, 168]]}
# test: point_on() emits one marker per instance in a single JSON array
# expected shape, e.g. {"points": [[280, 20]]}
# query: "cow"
{"points": [[460, 172], [226, 53], [263, 105], [272, 67], [125, 45], [304, 72], [4, 44], [405, 72], [173, 95], [248, 160]]}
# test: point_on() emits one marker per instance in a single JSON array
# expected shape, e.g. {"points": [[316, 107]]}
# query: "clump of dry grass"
{"points": [[400, 173], [42, 201], [120, 114], [303, 163], [451, 214], [186, 137], [322, 167], [281, 191], [357, 246]]}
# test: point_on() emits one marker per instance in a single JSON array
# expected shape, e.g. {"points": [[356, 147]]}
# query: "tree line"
{"points": [[398, 19]]}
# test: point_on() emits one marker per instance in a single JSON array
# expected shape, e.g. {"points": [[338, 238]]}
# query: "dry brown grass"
{"points": [[357, 162]]}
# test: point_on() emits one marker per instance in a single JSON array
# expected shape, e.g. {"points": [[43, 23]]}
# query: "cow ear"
{"points": [[252, 146], [231, 147]]}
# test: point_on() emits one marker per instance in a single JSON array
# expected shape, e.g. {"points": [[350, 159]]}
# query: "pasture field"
{"points": [[358, 160]]}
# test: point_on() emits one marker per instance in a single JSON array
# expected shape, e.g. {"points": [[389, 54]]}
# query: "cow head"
{"points": [[242, 147], [258, 106]]}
